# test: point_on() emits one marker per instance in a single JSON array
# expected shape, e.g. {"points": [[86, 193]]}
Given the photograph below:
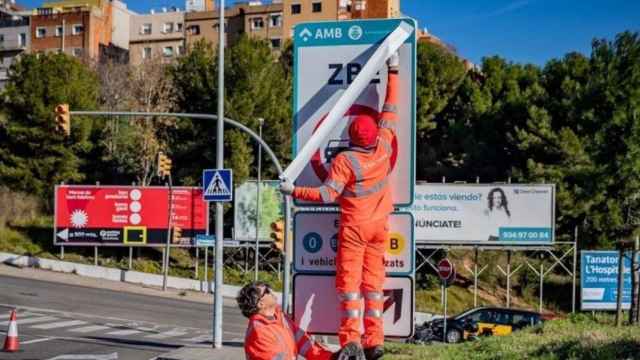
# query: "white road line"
{"points": [[31, 320], [91, 328], [124, 332], [167, 334], [112, 356], [35, 341], [59, 324]]}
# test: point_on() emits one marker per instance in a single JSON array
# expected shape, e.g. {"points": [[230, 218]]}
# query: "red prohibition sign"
{"points": [[445, 269], [321, 168]]}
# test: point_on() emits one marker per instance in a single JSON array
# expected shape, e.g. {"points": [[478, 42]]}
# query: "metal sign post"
{"points": [[446, 271], [218, 267]]}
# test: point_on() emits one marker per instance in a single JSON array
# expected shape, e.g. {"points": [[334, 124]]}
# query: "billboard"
{"points": [[244, 209], [316, 307], [316, 243], [322, 76], [599, 280], [492, 214], [126, 215]]}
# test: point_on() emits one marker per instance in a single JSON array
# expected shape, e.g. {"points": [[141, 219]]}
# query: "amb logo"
{"points": [[321, 34]]}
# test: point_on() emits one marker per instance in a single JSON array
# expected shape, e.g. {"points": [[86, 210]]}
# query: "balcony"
{"points": [[7, 23]]}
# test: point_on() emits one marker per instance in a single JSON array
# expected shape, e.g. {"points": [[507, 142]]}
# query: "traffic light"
{"points": [[277, 234], [63, 119], [164, 165], [177, 234]]}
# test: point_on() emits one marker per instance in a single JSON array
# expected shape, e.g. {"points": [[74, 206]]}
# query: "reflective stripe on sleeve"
{"points": [[374, 313], [325, 195], [350, 296], [351, 313], [373, 295], [387, 124], [338, 187], [280, 356], [387, 146], [299, 334], [389, 108]]}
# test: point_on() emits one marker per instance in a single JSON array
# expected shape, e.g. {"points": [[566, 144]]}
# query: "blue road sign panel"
{"points": [[217, 185], [205, 240], [599, 280]]}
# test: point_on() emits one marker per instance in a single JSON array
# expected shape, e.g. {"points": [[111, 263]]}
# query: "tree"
{"points": [[33, 155]]}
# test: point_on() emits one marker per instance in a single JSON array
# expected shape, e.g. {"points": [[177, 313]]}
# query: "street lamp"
{"points": [[260, 124]]}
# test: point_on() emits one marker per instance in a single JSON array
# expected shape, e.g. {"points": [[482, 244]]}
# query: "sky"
{"points": [[523, 31]]}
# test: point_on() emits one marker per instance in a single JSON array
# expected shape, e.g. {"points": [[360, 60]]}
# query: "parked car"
{"points": [[482, 321]]}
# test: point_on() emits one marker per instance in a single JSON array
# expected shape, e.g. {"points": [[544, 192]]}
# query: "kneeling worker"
{"points": [[270, 334]]}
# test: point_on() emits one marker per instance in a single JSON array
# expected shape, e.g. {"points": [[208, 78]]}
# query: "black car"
{"points": [[481, 321]]}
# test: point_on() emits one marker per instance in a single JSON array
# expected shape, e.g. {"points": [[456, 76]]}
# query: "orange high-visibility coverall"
{"points": [[280, 339], [357, 180]]}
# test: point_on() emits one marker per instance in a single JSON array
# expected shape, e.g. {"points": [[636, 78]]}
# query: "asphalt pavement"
{"points": [[58, 321]]}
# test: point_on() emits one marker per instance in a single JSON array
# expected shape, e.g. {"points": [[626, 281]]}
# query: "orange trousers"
{"points": [[360, 273]]}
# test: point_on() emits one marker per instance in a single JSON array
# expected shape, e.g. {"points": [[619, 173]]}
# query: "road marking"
{"points": [[19, 315], [112, 356], [91, 328], [201, 338], [31, 320], [35, 341], [123, 332], [167, 334], [56, 325]]}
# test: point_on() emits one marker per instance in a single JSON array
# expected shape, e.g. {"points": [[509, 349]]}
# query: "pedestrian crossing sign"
{"points": [[217, 185]]}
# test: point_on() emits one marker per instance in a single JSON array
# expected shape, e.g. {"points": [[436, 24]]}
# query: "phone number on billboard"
{"points": [[521, 234]]}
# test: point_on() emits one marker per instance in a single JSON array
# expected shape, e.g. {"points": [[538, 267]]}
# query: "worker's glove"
{"points": [[286, 187], [393, 62]]}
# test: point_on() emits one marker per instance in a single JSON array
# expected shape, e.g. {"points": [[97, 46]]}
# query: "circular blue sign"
{"points": [[312, 242], [334, 243]]}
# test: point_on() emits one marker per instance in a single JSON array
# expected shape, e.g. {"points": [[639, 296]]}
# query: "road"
{"points": [[60, 321]]}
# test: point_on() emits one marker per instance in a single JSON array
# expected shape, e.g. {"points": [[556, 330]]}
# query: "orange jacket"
{"points": [[358, 177], [280, 339]]}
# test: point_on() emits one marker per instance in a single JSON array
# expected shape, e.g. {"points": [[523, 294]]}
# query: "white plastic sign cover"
{"points": [[495, 214], [316, 243], [327, 58], [316, 307]]}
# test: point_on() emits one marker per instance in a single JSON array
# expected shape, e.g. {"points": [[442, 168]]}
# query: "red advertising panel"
{"points": [[127, 215]]}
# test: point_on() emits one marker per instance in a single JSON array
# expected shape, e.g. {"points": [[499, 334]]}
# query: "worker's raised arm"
{"points": [[389, 115], [339, 174]]}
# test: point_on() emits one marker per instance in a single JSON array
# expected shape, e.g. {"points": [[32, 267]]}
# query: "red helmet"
{"points": [[363, 131]]}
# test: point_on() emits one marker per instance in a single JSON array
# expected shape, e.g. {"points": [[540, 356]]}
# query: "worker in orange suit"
{"points": [[270, 334], [358, 182]]}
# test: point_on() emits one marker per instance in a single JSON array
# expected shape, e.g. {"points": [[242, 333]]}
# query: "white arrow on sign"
{"points": [[64, 234], [112, 356], [369, 70]]}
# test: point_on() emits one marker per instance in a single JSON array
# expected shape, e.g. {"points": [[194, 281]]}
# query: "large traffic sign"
{"points": [[126, 215], [217, 185], [316, 243], [316, 307], [320, 78]]}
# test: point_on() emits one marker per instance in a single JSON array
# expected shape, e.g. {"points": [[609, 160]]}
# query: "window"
{"points": [[194, 30], [360, 5], [145, 29], [316, 7], [181, 50], [77, 52], [22, 39], [77, 29], [167, 27], [296, 8], [167, 51], [179, 27], [59, 30], [275, 43], [276, 20], [257, 23], [41, 32], [146, 53]]}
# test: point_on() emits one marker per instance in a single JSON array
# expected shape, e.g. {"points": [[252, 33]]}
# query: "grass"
{"points": [[577, 337]]}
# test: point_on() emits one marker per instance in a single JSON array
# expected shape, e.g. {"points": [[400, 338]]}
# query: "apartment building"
{"points": [[14, 38], [257, 20], [375, 9], [157, 34], [199, 5], [297, 11], [75, 27]]}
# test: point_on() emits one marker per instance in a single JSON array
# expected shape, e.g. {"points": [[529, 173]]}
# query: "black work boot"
{"points": [[351, 351], [374, 353]]}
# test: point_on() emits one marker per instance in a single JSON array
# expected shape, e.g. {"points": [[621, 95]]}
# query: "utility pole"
{"points": [[620, 285], [257, 254], [218, 263]]}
